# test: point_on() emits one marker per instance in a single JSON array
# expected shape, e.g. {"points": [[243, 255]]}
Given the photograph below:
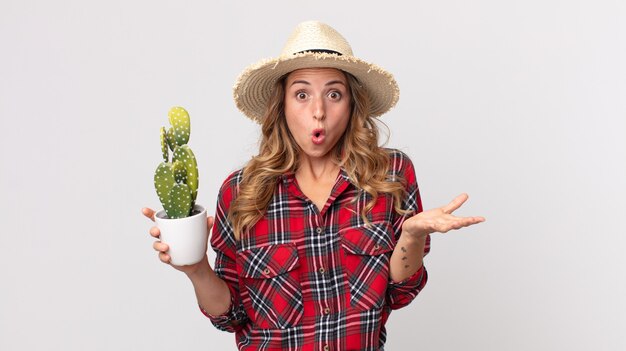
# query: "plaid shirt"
{"points": [[304, 279]]}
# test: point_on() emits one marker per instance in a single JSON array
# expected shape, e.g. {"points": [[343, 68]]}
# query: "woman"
{"points": [[322, 233]]}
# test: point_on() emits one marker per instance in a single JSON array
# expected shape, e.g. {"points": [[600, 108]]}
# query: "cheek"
{"points": [[294, 124], [290, 116], [343, 117]]}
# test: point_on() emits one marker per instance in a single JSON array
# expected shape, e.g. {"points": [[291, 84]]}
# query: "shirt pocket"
{"points": [[366, 255], [272, 294]]}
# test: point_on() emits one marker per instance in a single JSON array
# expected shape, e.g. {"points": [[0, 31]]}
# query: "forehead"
{"points": [[316, 74]]}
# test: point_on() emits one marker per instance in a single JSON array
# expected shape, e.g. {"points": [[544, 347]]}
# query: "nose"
{"points": [[319, 110]]}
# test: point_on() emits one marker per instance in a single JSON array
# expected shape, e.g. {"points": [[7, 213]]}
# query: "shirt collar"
{"points": [[289, 177]]}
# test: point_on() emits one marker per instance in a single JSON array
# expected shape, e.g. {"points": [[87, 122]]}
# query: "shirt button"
{"points": [[322, 270], [376, 247], [266, 271], [326, 347], [327, 310], [318, 230]]}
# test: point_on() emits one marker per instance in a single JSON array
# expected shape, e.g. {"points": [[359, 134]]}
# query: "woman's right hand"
{"points": [[211, 291], [162, 247]]}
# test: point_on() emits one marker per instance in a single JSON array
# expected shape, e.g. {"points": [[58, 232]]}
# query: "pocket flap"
{"points": [[267, 261], [375, 239]]}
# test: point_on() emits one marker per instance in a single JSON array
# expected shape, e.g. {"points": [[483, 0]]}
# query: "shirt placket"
{"points": [[322, 251]]}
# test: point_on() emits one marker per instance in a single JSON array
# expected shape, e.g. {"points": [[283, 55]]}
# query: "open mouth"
{"points": [[317, 136]]}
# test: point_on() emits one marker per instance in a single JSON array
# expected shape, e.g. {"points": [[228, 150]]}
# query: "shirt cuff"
{"points": [[226, 316], [414, 280], [229, 321]]}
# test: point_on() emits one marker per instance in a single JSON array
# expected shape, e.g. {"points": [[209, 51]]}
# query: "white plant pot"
{"points": [[186, 237]]}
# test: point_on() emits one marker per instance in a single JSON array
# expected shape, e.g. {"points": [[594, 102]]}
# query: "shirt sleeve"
{"points": [[400, 294], [224, 244]]}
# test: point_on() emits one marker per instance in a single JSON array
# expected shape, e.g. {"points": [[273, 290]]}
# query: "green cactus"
{"points": [[179, 119], [166, 154], [176, 182], [184, 155]]}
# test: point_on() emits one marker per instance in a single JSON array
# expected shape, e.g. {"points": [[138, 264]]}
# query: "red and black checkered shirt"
{"points": [[304, 279]]}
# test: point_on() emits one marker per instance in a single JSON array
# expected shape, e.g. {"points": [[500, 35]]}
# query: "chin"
{"points": [[316, 153]]}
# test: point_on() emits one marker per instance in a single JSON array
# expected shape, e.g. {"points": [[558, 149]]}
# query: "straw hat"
{"points": [[312, 45]]}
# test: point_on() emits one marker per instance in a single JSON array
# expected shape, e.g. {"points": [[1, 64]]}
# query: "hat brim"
{"points": [[255, 84]]}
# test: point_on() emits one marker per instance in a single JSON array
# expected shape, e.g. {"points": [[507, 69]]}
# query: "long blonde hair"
{"points": [[357, 151]]}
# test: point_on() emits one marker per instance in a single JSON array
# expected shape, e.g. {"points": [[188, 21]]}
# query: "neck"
{"points": [[317, 169]]}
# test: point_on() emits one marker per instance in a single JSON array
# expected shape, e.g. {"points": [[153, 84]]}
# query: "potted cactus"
{"points": [[182, 222]]}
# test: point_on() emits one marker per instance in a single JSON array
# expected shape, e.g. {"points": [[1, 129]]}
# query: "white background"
{"points": [[521, 104]]}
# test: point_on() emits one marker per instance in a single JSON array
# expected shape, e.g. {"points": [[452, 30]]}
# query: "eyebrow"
{"points": [[327, 84]]}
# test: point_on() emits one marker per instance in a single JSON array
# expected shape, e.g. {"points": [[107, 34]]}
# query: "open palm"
{"points": [[439, 219]]}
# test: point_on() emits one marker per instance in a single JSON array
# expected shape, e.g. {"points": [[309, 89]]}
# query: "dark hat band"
{"points": [[319, 51]]}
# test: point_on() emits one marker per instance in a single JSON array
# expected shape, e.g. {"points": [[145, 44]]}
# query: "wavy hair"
{"points": [[357, 151]]}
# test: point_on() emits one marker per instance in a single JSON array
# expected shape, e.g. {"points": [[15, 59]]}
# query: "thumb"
{"points": [[209, 221]]}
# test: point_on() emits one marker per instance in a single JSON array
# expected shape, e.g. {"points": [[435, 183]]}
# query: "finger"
{"points": [[155, 232], [472, 220], [159, 246], [456, 203], [148, 212], [165, 258], [454, 223], [466, 222], [455, 226], [209, 221]]}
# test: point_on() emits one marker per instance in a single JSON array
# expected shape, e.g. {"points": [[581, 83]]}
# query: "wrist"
{"points": [[414, 229], [418, 238], [201, 272]]}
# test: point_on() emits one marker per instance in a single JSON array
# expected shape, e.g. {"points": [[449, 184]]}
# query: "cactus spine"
{"points": [[176, 182]]}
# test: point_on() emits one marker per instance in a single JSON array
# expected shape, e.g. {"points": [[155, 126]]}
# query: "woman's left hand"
{"points": [[438, 220]]}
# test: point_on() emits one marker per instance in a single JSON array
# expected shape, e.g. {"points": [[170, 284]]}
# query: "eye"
{"points": [[334, 95], [301, 95]]}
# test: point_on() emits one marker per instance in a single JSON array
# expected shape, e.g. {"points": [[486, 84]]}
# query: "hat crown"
{"points": [[314, 35]]}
